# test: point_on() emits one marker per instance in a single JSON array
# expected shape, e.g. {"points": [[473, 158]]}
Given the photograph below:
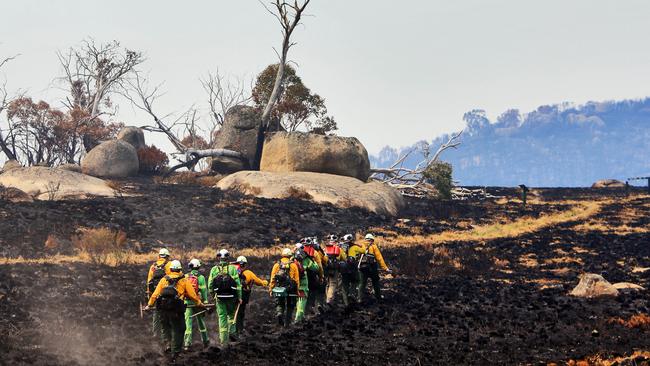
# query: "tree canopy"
{"points": [[298, 108]]}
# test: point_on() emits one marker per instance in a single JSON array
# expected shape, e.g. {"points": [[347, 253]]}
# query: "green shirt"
{"points": [[308, 264], [230, 269], [203, 287]]}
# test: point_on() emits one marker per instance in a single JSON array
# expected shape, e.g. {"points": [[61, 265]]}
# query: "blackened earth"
{"points": [[433, 312]]}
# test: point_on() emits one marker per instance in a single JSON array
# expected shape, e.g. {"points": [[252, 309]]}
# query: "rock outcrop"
{"points": [[11, 164], [307, 152], [240, 132], [318, 187], [14, 195], [132, 135], [51, 183], [593, 285], [111, 159], [608, 183], [70, 167]]}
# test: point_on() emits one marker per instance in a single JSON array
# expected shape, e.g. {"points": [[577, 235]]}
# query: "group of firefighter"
{"points": [[305, 279]]}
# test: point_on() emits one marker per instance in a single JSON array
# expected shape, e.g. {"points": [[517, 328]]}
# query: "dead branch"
{"points": [[411, 182], [144, 98], [223, 94], [288, 15]]}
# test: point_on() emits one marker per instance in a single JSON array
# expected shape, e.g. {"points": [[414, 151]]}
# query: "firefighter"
{"points": [[168, 298], [158, 270], [335, 262], [305, 265], [369, 260], [248, 279], [316, 280], [284, 287], [348, 269], [197, 280], [226, 288]]}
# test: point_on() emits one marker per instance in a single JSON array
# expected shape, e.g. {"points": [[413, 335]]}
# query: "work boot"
{"points": [[234, 338], [186, 348]]}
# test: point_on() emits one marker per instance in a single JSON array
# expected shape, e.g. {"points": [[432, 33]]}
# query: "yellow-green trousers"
{"points": [[301, 306], [226, 308], [189, 322]]}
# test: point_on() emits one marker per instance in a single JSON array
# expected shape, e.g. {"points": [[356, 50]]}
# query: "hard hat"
{"points": [[299, 246], [347, 237], [370, 237], [333, 238], [307, 241], [223, 253], [163, 252], [242, 260], [299, 255], [195, 263], [286, 252], [176, 266]]}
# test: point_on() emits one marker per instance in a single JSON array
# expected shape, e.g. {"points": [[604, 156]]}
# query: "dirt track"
{"points": [[511, 311]]}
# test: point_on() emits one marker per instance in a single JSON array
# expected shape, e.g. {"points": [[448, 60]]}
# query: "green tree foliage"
{"points": [[438, 174], [297, 108]]}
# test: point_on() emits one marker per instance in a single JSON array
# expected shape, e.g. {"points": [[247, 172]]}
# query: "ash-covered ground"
{"points": [[500, 301]]}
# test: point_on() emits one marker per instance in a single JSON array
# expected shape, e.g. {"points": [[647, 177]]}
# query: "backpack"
{"points": [[158, 274], [223, 285], [332, 253], [283, 279], [367, 261], [168, 299], [194, 281]]}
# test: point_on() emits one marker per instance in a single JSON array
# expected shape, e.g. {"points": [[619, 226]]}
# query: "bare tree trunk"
{"points": [[289, 15]]}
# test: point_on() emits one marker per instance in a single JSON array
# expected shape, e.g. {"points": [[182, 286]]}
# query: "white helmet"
{"points": [[333, 238], [176, 266], [299, 246], [163, 253], [242, 260], [347, 238], [195, 263], [223, 253], [286, 252], [370, 237]]}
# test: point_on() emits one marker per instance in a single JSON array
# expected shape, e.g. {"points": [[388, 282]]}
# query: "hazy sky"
{"points": [[392, 72]]}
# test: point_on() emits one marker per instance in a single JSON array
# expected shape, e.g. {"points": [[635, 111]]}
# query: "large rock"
{"points": [[307, 152], [593, 285], [318, 187], [227, 165], [51, 183], [608, 183], [111, 159], [132, 135], [240, 132], [11, 164], [14, 195], [70, 167]]}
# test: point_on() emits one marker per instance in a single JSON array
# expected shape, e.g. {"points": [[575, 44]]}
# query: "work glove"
{"points": [[389, 271], [147, 308]]}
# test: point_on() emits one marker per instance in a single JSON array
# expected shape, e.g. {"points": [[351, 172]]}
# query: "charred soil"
{"points": [[501, 301]]}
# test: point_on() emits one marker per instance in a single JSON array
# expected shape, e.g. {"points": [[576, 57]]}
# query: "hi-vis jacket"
{"points": [[294, 274], [357, 250], [183, 288]]}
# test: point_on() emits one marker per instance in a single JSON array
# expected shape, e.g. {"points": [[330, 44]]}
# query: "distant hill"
{"points": [[559, 145]]}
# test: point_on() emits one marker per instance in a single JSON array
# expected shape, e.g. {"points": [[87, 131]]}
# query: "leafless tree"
{"points": [[92, 74], [224, 93], [288, 14], [143, 97], [411, 181], [4, 103]]}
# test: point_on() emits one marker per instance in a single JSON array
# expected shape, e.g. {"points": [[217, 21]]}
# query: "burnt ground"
{"points": [[505, 304]]}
